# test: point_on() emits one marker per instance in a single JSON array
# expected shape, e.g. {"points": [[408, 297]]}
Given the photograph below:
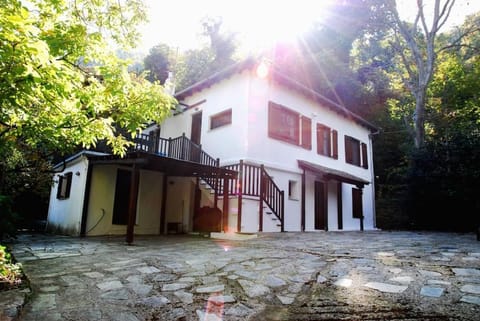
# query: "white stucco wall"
{"points": [[102, 194], [65, 215], [226, 142]]}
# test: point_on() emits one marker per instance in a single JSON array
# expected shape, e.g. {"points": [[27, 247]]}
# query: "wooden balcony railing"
{"points": [[180, 148]]}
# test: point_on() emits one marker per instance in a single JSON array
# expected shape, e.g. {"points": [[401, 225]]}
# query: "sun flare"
{"points": [[264, 23]]}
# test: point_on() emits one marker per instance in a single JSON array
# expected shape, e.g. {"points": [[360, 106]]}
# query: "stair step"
{"points": [[279, 225], [268, 213]]}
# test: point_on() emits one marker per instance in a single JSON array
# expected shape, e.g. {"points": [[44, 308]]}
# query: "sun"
{"points": [[261, 24]]}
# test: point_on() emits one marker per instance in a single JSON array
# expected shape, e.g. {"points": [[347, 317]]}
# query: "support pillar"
{"points": [[302, 223], [240, 197], [132, 204], [163, 213], [225, 205]]}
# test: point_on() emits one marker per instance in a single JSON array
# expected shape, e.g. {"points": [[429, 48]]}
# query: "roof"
{"points": [[281, 79], [72, 158], [330, 173]]}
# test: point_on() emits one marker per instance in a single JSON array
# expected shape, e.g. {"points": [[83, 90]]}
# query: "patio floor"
{"points": [[278, 276]]}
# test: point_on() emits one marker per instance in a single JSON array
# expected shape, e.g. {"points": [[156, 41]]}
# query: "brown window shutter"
{"points": [[306, 128], [334, 144], [319, 139], [59, 187], [364, 155]]}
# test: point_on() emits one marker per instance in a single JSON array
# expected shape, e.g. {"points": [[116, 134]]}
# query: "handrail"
{"points": [[179, 147], [254, 181], [272, 196]]}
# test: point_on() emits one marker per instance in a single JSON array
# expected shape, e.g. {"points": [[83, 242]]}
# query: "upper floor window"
{"points": [[356, 152], [221, 119], [283, 123], [64, 186], [327, 141]]}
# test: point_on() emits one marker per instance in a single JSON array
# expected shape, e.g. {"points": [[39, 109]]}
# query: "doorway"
{"points": [[195, 136], [320, 206]]}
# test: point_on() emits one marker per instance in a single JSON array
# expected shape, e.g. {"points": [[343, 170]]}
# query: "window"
{"points": [[327, 141], [306, 125], [357, 204], [64, 186], [122, 197], [293, 192], [221, 119], [356, 152], [283, 123]]}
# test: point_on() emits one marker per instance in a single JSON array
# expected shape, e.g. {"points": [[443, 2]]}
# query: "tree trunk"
{"points": [[420, 117]]}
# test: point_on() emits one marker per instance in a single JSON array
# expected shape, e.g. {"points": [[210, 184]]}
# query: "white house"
{"points": [[288, 160]]}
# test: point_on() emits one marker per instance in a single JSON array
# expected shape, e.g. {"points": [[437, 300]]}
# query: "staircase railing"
{"points": [[253, 180], [273, 197]]}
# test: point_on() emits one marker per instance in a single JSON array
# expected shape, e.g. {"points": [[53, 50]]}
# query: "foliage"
{"points": [[10, 219], [61, 85], [158, 63], [10, 273]]}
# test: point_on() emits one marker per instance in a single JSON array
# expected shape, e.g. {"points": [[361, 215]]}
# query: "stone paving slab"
{"points": [[276, 276]]}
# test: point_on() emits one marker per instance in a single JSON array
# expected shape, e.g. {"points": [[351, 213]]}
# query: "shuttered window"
{"points": [[356, 153], [64, 186], [327, 141], [283, 123], [221, 119], [352, 150]]}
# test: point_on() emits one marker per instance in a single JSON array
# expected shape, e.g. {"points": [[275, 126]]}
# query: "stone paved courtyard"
{"points": [[280, 276]]}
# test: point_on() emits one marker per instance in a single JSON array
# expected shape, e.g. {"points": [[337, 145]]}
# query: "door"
{"points": [[320, 206], [122, 197], [195, 136]]}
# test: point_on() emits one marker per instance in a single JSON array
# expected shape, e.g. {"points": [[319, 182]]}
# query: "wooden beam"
{"points": [[302, 223], [132, 204], [163, 213], [325, 205], [339, 205], [86, 200], [240, 197], [225, 205], [262, 196]]}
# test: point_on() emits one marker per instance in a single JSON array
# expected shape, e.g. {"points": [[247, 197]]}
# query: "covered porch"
{"points": [[149, 170]]}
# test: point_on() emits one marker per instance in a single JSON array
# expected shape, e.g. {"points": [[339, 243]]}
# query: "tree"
{"points": [[415, 43], [158, 63], [196, 64], [61, 85]]}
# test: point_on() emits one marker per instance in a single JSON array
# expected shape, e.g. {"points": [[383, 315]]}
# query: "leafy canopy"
{"points": [[61, 84]]}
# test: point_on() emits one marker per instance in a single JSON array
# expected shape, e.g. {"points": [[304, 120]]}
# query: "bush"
{"points": [[9, 222], [10, 273]]}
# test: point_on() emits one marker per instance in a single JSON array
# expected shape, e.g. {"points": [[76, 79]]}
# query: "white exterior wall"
{"points": [[65, 215], [227, 142], [102, 194], [179, 207], [247, 138]]}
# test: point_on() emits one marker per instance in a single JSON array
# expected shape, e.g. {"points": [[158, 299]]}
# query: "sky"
{"points": [[257, 23]]}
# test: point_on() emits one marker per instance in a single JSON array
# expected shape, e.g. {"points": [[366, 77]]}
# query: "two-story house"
{"points": [[289, 159]]}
